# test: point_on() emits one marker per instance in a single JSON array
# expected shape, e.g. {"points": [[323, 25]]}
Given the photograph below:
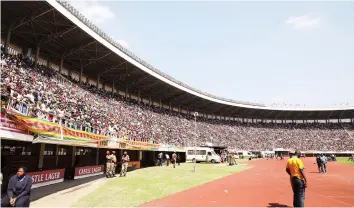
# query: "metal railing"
{"points": [[27, 110]]}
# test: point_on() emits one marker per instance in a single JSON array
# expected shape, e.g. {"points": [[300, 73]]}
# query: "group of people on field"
{"points": [[111, 164], [175, 159]]}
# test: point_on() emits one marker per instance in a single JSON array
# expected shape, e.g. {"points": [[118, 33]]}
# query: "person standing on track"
{"points": [[324, 163], [295, 169], [319, 165]]}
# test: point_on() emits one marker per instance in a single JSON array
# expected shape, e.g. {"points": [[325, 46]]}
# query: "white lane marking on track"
{"points": [[342, 196]]}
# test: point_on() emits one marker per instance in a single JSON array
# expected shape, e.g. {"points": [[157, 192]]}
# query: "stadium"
{"points": [[70, 93]]}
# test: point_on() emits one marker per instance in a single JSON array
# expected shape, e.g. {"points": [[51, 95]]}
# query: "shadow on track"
{"points": [[277, 205]]}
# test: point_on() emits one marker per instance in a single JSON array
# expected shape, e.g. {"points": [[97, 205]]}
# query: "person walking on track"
{"points": [[324, 163], [125, 160], [295, 169], [319, 163]]}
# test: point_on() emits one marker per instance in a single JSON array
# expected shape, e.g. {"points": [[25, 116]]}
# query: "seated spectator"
{"points": [[18, 190]]}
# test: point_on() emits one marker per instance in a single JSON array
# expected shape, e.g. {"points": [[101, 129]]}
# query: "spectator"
{"points": [[42, 92], [19, 190]]}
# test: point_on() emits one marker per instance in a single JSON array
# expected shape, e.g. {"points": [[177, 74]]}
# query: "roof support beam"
{"points": [[60, 34], [139, 80], [97, 59], [109, 69], [26, 20], [76, 49]]}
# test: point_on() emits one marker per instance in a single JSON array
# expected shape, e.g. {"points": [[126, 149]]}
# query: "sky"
{"points": [[275, 53]]}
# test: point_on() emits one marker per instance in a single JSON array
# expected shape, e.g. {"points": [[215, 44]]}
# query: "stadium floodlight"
{"points": [[195, 140]]}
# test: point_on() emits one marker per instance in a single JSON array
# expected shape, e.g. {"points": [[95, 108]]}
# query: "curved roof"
{"points": [[62, 32]]}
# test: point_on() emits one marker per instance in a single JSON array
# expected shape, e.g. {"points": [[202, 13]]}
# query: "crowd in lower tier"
{"points": [[48, 95]]}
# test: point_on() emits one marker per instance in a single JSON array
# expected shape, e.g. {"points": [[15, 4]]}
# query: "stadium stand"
{"points": [[48, 95]]}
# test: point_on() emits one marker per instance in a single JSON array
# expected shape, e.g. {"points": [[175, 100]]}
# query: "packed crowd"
{"points": [[51, 96]]}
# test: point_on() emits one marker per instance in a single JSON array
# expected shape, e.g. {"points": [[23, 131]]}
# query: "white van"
{"points": [[202, 154], [246, 155]]}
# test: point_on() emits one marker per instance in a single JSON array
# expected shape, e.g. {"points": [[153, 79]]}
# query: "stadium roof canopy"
{"points": [[62, 33]]}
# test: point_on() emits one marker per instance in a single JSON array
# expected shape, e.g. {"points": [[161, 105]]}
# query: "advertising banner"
{"points": [[48, 177], [87, 171]]}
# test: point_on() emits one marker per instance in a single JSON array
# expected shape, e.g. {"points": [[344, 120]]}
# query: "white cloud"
{"points": [[302, 22], [94, 11], [124, 43]]}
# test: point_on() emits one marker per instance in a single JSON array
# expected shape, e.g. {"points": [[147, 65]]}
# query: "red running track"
{"points": [[267, 184]]}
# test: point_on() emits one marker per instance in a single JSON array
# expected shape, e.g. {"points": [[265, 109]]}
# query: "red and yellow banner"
{"points": [[57, 132], [53, 130]]}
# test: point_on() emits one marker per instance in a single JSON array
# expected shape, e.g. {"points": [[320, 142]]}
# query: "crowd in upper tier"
{"points": [[48, 95]]}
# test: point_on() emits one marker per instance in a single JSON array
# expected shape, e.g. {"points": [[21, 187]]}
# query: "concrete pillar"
{"points": [[41, 156], [36, 59], [61, 65], [113, 86], [81, 70], [97, 155], [29, 52], [73, 157], [139, 98], [8, 38], [56, 153]]}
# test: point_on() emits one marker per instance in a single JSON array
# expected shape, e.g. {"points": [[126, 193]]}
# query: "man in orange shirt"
{"points": [[295, 169]]}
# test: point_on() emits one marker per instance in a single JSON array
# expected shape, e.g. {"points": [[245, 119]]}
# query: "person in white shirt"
{"points": [[167, 160]]}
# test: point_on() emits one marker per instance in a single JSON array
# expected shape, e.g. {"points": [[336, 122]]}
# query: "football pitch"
{"points": [[344, 160], [148, 184]]}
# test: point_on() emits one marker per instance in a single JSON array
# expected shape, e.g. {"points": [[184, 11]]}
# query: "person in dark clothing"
{"points": [[319, 163], [178, 159], [295, 169], [18, 190], [159, 159]]}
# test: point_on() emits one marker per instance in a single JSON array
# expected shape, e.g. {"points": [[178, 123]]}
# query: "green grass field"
{"points": [[145, 185], [344, 160]]}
